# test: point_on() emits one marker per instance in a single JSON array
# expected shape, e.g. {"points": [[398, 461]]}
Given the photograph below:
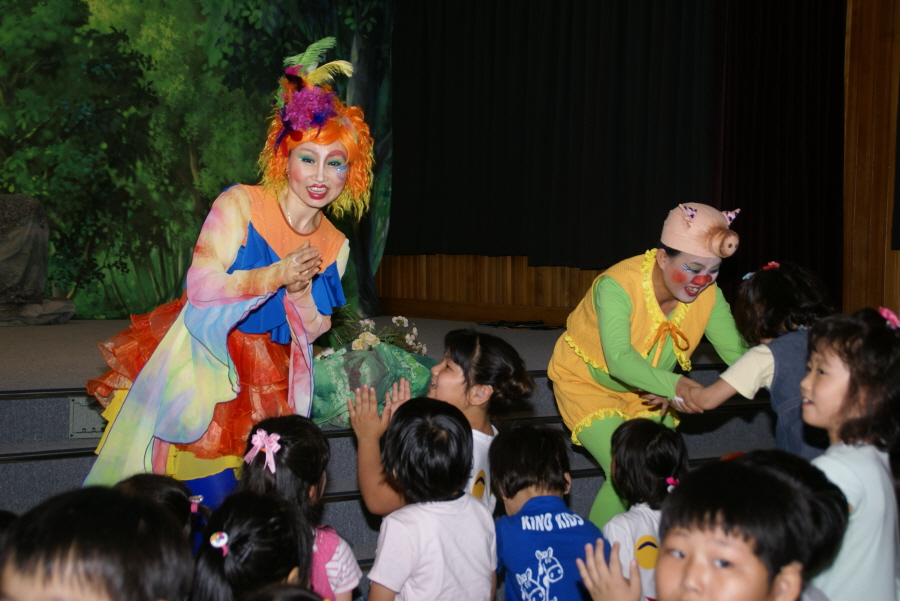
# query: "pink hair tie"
{"points": [[219, 540], [771, 265], [672, 482], [893, 321], [268, 443], [195, 502]]}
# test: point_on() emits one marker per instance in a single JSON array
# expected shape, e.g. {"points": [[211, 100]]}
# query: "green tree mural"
{"points": [[127, 119], [72, 122]]}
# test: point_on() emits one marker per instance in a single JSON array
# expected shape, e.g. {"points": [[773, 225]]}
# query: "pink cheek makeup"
{"points": [[679, 277]]}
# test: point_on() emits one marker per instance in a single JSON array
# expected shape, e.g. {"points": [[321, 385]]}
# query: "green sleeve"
{"points": [[722, 332], [627, 368]]}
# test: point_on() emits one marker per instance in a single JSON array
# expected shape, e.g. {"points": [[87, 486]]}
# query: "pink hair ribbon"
{"points": [[893, 321], [195, 502], [268, 443]]}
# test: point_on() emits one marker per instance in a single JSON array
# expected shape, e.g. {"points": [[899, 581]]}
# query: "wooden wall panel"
{"points": [[872, 74], [485, 288]]}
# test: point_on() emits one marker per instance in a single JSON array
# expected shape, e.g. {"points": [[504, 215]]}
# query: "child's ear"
{"points": [[480, 394], [293, 577], [788, 583], [316, 491], [568, 477]]}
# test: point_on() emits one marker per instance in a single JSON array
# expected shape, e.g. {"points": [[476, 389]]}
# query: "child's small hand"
{"points": [[684, 391], [688, 405], [606, 583], [400, 393], [364, 418]]}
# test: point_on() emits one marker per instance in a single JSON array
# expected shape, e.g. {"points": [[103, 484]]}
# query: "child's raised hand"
{"points": [[364, 418], [606, 583], [400, 392]]}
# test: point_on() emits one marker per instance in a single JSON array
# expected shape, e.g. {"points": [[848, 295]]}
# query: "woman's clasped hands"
{"points": [[300, 266]]}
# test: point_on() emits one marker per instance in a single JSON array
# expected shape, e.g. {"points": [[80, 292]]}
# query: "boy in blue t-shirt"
{"points": [[539, 538]]}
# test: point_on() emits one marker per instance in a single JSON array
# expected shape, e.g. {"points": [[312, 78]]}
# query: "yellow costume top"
{"points": [[618, 341]]}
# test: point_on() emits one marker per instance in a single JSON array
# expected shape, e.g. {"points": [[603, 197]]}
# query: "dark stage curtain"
{"points": [[566, 130], [779, 145], [560, 130]]}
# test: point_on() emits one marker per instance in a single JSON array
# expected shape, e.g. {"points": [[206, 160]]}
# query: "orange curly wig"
{"points": [[346, 127]]}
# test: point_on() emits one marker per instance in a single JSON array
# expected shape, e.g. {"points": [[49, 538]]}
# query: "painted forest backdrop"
{"points": [[126, 119]]}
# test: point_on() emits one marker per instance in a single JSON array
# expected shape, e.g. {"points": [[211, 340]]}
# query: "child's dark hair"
{"points": [[174, 495], [259, 547], [870, 348], [750, 503], [778, 299], [6, 520], [828, 509], [646, 453], [488, 360], [529, 455], [300, 465], [428, 450], [128, 548], [283, 592]]}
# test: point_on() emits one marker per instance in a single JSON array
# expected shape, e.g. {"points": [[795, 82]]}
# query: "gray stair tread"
{"points": [[86, 445]]}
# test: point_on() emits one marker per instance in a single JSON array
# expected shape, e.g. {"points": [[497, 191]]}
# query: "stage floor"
{"points": [[64, 357]]}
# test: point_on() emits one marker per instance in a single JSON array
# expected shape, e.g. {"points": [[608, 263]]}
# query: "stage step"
{"points": [[40, 456]]}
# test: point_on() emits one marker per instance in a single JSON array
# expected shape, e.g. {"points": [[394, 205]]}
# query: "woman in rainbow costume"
{"points": [[188, 381], [639, 318]]}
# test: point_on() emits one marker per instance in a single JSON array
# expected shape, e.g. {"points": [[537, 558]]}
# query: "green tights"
{"points": [[596, 438]]}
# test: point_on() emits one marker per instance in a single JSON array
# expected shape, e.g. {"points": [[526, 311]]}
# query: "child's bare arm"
{"points": [[377, 493], [754, 370], [380, 593], [710, 397]]}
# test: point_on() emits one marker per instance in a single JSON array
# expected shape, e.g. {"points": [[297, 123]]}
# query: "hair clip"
{"points": [[672, 482], [268, 443], [893, 322], [219, 540], [195, 502], [766, 267]]}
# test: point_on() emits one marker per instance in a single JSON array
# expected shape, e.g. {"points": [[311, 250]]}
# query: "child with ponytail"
{"points": [[250, 542], [648, 461], [287, 456], [481, 375]]}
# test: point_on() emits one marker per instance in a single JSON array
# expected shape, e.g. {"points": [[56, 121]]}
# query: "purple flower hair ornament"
{"points": [[303, 102]]}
